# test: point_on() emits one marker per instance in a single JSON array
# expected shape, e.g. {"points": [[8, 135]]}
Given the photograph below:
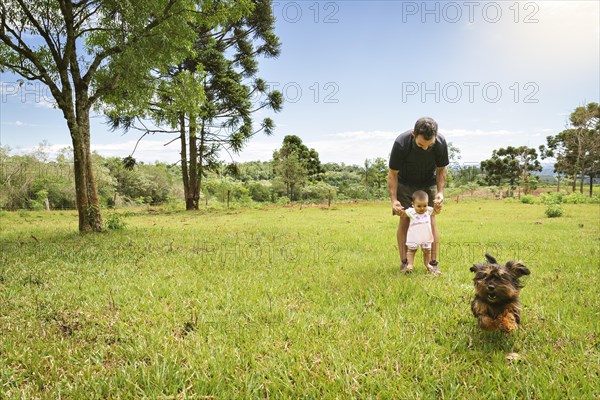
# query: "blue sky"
{"points": [[355, 74]]}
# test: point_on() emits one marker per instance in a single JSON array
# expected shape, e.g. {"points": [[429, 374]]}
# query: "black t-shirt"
{"points": [[417, 166]]}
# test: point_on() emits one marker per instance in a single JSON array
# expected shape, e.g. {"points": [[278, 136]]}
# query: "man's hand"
{"points": [[397, 208], [438, 202]]}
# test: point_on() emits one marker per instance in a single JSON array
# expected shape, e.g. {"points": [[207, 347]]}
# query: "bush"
{"points": [[36, 205], [59, 191], [241, 194], [282, 201], [353, 191], [554, 211], [148, 184], [259, 192], [173, 203], [319, 191], [552, 198], [527, 199], [114, 222], [577, 198]]}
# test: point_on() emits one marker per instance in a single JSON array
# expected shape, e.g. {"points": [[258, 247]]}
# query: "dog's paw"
{"points": [[507, 322]]}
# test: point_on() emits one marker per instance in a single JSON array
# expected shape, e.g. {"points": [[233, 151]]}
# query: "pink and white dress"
{"points": [[419, 230]]}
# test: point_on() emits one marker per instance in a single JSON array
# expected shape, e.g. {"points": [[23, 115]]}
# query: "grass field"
{"points": [[294, 303]]}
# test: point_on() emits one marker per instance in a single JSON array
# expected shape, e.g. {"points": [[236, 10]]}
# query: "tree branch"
{"points": [[171, 141], [44, 34], [121, 48], [24, 51], [136, 144], [70, 49]]}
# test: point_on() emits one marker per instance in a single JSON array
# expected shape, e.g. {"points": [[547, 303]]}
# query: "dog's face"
{"points": [[498, 284]]}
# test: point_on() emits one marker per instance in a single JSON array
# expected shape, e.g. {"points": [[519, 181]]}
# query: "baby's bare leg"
{"points": [[410, 256], [426, 256]]}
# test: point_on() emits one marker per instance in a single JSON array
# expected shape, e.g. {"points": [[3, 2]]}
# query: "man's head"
{"points": [[420, 201], [425, 132]]}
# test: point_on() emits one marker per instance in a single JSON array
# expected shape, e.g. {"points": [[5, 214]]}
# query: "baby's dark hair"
{"points": [[420, 196]]}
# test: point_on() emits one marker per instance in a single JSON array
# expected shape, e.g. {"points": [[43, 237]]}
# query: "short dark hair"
{"points": [[420, 195], [427, 127]]}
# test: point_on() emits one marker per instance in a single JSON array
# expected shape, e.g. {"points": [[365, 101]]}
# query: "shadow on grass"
{"points": [[493, 342]]}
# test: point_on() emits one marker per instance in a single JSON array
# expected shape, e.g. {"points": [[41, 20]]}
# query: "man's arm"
{"points": [[440, 181], [393, 187]]}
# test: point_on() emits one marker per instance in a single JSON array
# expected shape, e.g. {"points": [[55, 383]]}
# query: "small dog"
{"points": [[497, 287]]}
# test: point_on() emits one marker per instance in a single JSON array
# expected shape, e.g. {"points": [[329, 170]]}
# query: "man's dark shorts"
{"points": [[405, 193]]}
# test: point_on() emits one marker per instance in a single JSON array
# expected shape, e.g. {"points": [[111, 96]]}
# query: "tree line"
{"points": [[295, 174], [575, 150], [34, 181]]}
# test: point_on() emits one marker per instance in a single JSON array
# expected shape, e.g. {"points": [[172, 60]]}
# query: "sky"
{"points": [[356, 74]]}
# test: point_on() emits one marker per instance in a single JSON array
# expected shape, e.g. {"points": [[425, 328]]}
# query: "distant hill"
{"points": [[547, 169], [547, 174]]}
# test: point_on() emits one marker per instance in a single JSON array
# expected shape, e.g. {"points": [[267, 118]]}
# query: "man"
{"points": [[418, 162]]}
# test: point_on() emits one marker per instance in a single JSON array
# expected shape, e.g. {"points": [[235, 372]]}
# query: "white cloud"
{"points": [[45, 103], [256, 150], [147, 150], [350, 152], [20, 123], [51, 149], [349, 147], [467, 26], [353, 147], [365, 135], [457, 133]]}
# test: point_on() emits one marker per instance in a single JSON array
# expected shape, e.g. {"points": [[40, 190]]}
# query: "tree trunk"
{"points": [[201, 159], [183, 153], [582, 177], [88, 204], [193, 198], [592, 176], [525, 175], [578, 167], [184, 161]]}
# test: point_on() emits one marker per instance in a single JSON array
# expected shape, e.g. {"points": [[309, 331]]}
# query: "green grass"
{"points": [[293, 303]]}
